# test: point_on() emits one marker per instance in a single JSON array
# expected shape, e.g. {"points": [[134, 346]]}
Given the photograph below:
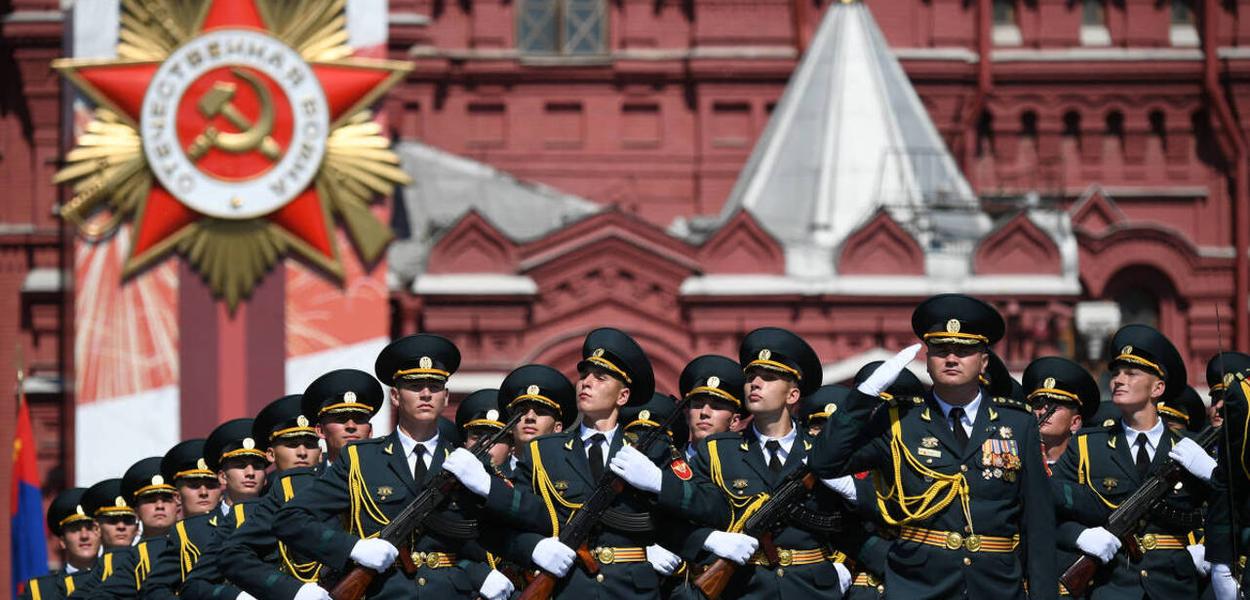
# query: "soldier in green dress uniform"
{"points": [[960, 473], [232, 454], [79, 538], [1105, 464], [479, 415], [1186, 412], [1224, 369], [715, 408]]}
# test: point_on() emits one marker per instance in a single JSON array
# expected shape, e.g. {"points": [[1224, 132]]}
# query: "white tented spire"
{"points": [[848, 136]]}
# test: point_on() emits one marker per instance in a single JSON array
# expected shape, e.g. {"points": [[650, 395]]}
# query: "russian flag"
{"points": [[29, 547]]}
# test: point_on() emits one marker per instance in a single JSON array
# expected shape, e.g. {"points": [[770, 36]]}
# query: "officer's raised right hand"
{"points": [[1099, 543], [469, 470], [553, 556], [884, 376], [737, 547], [376, 554]]}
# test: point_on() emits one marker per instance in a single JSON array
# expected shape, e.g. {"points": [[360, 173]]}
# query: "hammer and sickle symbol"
{"points": [[217, 101]]}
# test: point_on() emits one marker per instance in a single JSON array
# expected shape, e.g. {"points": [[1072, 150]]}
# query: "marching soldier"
{"points": [[79, 538], [1221, 367], [959, 473], [342, 418], [714, 408], [1108, 463], [1064, 396], [1186, 412], [539, 417], [249, 557], [155, 504], [115, 519], [373, 480], [231, 453], [479, 416]]}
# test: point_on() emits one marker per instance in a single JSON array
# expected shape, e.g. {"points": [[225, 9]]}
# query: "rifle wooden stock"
{"points": [[539, 588], [712, 582], [588, 560], [354, 584], [1078, 576]]}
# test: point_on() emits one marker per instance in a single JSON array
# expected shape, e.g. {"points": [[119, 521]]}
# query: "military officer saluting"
{"points": [[79, 538], [961, 473], [231, 453], [1107, 463], [249, 557], [373, 480]]}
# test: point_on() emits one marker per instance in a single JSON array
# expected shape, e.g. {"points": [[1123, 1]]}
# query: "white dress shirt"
{"points": [[410, 449], [786, 441], [1153, 436], [969, 416], [586, 433]]}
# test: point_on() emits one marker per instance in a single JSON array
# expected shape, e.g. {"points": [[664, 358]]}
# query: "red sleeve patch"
{"points": [[681, 469], [861, 475]]}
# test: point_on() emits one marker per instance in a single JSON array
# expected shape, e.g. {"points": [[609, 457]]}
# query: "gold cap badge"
{"points": [[597, 353], [713, 381], [425, 362], [158, 480], [532, 390], [1126, 350], [78, 509], [249, 443], [302, 421], [119, 501], [644, 415], [765, 354], [200, 464], [492, 415], [1049, 383], [1229, 378], [831, 408], [349, 396], [952, 326]]}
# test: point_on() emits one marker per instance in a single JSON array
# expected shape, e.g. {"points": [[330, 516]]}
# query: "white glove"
{"points": [[1198, 552], [496, 587], [245, 596], [376, 554], [553, 556], [1098, 542], [844, 576], [844, 486], [635, 468], [737, 547], [469, 470], [664, 562], [884, 376], [311, 591], [1222, 582], [1187, 453]]}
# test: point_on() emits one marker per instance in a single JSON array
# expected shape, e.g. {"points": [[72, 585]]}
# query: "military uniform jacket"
{"points": [[552, 480], [254, 560], [996, 486], [53, 586], [190, 540], [370, 484], [1098, 472], [114, 561], [206, 581]]}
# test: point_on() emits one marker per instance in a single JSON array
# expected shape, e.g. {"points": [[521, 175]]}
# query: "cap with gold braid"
{"points": [[653, 413], [826, 401], [1235, 365], [144, 478], [342, 391], [540, 385], [232, 439], [1187, 409], [617, 353], [781, 351], [282, 419], [105, 499], [957, 319], [1144, 348], [1057, 379], [998, 380], [481, 409], [716, 377], [417, 357], [66, 509], [186, 461]]}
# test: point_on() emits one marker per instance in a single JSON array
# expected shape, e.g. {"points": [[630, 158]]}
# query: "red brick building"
{"points": [[1122, 118]]}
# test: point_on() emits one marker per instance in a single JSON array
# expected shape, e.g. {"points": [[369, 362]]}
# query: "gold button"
{"points": [[781, 572], [967, 561], [881, 589], [963, 468], [599, 578], [967, 529], [420, 581], [1143, 573]]}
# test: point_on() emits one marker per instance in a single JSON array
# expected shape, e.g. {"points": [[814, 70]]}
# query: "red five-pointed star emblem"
{"points": [[235, 142]]}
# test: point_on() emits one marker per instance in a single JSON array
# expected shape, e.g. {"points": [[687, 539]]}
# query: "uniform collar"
{"points": [[786, 441], [970, 409], [410, 445], [1153, 435], [585, 433]]}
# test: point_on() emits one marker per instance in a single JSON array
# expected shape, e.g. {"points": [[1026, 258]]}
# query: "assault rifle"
{"points": [[781, 504], [576, 532], [1125, 520], [411, 520]]}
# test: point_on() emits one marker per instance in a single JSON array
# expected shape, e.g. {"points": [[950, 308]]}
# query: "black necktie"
{"points": [[774, 455], [418, 470], [595, 456], [957, 427], [1143, 458]]}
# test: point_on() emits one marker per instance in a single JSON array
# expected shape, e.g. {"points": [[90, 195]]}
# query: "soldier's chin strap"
{"points": [[941, 494]]}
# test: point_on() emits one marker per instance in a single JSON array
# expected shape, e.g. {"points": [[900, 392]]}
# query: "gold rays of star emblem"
{"points": [[113, 180]]}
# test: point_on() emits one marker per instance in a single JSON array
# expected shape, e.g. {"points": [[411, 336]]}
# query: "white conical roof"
{"points": [[848, 136]]}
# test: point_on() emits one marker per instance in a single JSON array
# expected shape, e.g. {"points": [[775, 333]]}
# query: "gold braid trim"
{"points": [[358, 492], [188, 552], [1245, 427], [107, 571], [920, 507], [143, 567], [743, 506], [1082, 471], [545, 488], [308, 572], [34, 590], [69, 584]]}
